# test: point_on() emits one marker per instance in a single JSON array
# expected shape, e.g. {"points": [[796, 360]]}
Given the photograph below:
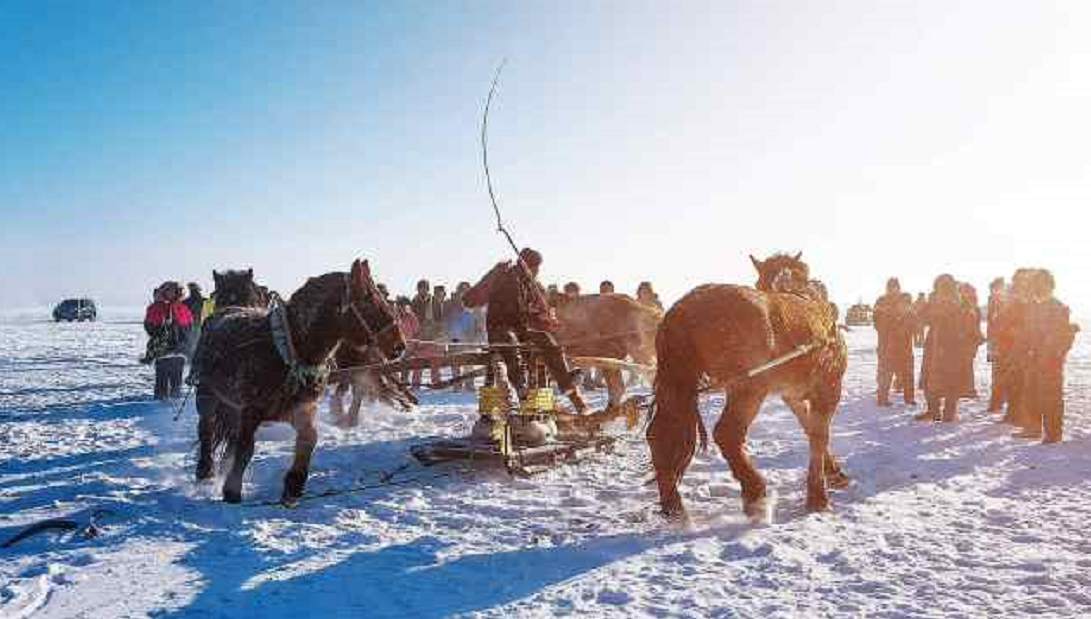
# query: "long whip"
{"points": [[500, 227]]}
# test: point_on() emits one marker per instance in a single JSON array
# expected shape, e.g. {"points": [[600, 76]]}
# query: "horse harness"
{"points": [[302, 375]]}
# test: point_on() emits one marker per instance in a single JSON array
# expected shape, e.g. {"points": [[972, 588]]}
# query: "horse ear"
{"points": [[216, 277], [359, 273], [250, 273], [798, 256], [757, 263]]}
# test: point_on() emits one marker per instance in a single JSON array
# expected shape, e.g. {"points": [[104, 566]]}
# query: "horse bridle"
{"points": [[347, 304]]}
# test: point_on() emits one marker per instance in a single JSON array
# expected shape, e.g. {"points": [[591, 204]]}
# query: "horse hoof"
{"points": [[232, 496], [839, 481], [289, 501], [204, 471], [756, 510], [818, 505], [675, 516]]}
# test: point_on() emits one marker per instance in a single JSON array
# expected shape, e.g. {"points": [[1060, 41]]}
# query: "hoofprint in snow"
{"points": [[941, 520]]}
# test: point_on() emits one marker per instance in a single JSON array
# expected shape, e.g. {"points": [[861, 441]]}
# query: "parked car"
{"points": [[75, 309]]}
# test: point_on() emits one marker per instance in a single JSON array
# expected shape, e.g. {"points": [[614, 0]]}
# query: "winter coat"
{"points": [[195, 303], [408, 323], [953, 336], [167, 325], [896, 322], [515, 303]]}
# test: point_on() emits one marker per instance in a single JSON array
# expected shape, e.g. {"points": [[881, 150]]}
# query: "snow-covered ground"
{"points": [[946, 520]]}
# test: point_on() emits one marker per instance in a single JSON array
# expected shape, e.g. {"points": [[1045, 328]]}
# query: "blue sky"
{"points": [[147, 141]]}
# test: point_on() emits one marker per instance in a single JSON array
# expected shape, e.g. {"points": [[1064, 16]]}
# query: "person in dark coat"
{"points": [[167, 322], [606, 287], [918, 310], [951, 331], [646, 295], [895, 324], [518, 314], [195, 303], [998, 296], [1041, 348], [968, 294], [422, 307], [1009, 325]]}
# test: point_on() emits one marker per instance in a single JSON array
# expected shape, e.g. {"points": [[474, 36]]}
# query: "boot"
{"points": [[925, 416], [950, 410]]}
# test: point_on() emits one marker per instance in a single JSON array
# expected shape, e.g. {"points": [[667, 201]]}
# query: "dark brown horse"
{"points": [[719, 333], [236, 288], [245, 381], [613, 326]]}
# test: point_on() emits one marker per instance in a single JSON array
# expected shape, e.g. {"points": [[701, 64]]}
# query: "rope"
{"points": [[182, 406], [386, 480]]}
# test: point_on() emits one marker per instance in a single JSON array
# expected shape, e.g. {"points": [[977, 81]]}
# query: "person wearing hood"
{"points": [[167, 322]]}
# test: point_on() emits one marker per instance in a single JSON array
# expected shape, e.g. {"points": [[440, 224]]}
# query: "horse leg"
{"points": [[206, 415], [670, 457], [337, 400], [243, 451], [730, 434], [306, 437], [359, 390], [615, 388], [835, 476], [818, 498]]}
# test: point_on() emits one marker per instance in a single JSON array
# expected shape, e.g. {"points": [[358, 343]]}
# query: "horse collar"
{"points": [[280, 325]]}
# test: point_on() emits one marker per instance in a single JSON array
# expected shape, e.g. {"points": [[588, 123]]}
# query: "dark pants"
{"points": [[168, 376], [942, 408], [547, 347], [1043, 400], [902, 369]]}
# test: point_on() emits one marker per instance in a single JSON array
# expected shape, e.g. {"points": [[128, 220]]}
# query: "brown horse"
{"points": [[613, 326], [718, 333], [244, 380], [365, 384]]}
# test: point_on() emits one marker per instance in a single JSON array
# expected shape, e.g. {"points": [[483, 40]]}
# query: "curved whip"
{"points": [[485, 157], [500, 227]]}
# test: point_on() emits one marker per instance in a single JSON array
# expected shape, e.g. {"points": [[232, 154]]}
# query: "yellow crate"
{"points": [[538, 401], [492, 400]]}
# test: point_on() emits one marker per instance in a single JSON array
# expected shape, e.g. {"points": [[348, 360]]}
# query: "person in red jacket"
{"points": [[167, 322]]}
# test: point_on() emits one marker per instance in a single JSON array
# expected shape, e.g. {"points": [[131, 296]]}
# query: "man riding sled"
{"points": [[518, 314]]}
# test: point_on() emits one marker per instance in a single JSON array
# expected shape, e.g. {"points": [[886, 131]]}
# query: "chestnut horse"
{"points": [[718, 333], [614, 326], [244, 380]]}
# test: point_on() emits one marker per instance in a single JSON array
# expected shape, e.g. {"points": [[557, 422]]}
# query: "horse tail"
{"points": [[221, 420], [676, 427]]}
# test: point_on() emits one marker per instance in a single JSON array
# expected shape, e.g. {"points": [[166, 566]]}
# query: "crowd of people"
{"points": [[431, 320], [1028, 332]]}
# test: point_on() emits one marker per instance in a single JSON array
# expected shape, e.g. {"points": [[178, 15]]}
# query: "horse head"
{"points": [[371, 320], [781, 273], [236, 288]]}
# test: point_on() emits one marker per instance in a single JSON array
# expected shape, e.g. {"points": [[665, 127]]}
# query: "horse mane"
{"points": [[308, 302]]}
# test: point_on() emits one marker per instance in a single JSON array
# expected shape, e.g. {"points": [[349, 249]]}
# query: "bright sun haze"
{"points": [[629, 141]]}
